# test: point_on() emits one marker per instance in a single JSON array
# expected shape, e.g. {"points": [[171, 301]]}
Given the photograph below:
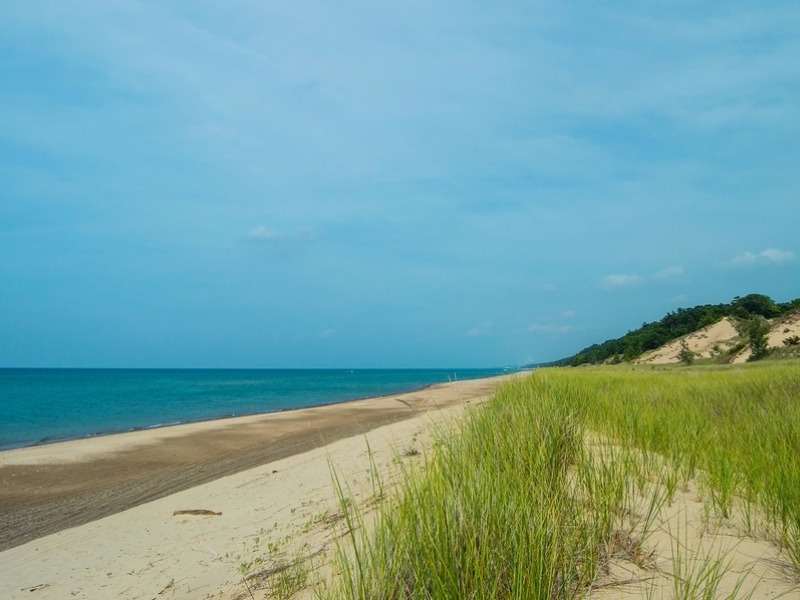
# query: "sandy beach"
{"points": [[94, 518]]}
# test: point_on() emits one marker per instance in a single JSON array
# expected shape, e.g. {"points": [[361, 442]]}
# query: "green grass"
{"points": [[740, 427], [521, 503]]}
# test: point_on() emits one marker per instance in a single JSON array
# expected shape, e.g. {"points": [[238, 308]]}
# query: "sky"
{"points": [[275, 184]]}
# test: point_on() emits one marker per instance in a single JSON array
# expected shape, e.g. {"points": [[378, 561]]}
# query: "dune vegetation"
{"points": [[748, 312], [566, 473]]}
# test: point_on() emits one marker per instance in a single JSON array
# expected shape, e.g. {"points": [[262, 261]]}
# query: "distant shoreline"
{"points": [[101, 434], [26, 440], [50, 487]]}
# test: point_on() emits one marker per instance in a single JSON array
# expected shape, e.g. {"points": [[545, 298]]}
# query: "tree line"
{"points": [[676, 324]]}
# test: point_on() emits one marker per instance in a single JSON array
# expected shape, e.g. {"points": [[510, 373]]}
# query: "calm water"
{"points": [[46, 405]]}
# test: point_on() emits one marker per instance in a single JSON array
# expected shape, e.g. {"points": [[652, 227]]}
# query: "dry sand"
{"points": [[705, 343], [94, 518], [786, 327], [718, 338], [685, 546], [688, 546]]}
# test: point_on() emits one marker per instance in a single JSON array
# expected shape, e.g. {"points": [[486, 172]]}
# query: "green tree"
{"points": [[757, 331], [685, 355], [755, 304], [632, 350]]}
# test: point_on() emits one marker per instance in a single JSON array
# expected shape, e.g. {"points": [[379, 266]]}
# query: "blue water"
{"points": [[46, 405]]}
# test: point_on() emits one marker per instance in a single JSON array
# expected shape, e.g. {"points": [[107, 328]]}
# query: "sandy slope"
{"points": [[683, 544], [787, 327], [687, 546], [716, 339], [782, 329], [705, 343]]}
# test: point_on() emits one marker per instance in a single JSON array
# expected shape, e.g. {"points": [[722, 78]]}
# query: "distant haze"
{"points": [[415, 184]]}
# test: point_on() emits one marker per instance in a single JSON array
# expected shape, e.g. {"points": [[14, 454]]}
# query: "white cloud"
{"points": [[619, 280], [777, 256], [748, 258], [568, 313], [482, 330], [328, 333], [669, 273], [678, 299], [770, 255], [264, 234], [551, 328]]}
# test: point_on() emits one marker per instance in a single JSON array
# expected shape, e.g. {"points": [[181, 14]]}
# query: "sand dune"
{"points": [[780, 330], [718, 339], [705, 343]]}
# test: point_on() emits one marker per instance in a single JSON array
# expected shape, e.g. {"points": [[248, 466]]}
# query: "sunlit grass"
{"points": [[533, 494], [738, 428]]}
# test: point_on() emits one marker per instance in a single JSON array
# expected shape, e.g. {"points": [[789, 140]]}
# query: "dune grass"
{"points": [[737, 428], [531, 497]]}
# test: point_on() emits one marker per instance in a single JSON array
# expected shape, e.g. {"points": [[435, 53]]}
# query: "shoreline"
{"points": [[47, 488], [223, 418], [98, 434]]}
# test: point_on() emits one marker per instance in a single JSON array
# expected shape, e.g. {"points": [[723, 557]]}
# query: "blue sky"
{"points": [[372, 184]]}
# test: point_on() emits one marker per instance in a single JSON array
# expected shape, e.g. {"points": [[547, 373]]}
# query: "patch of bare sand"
{"points": [[707, 342], [688, 556], [786, 328], [781, 331], [719, 338], [684, 549]]}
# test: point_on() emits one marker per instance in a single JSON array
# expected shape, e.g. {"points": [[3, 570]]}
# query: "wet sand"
{"points": [[46, 489]]}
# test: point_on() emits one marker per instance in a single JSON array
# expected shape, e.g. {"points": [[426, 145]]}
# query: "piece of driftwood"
{"points": [[196, 511]]}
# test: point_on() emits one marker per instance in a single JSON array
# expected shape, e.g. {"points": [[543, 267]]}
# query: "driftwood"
{"points": [[196, 511]]}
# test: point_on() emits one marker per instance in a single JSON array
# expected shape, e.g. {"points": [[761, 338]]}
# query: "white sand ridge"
{"points": [[706, 342], [720, 338]]}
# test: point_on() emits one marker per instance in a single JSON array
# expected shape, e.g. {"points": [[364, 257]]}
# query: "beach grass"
{"points": [[564, 470], [736, 429]]}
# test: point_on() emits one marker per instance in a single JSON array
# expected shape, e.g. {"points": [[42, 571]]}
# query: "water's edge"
{"points": [[22, 442]]}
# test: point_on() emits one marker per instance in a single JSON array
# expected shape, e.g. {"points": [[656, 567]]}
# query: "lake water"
{"points": [[45, 405]]}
